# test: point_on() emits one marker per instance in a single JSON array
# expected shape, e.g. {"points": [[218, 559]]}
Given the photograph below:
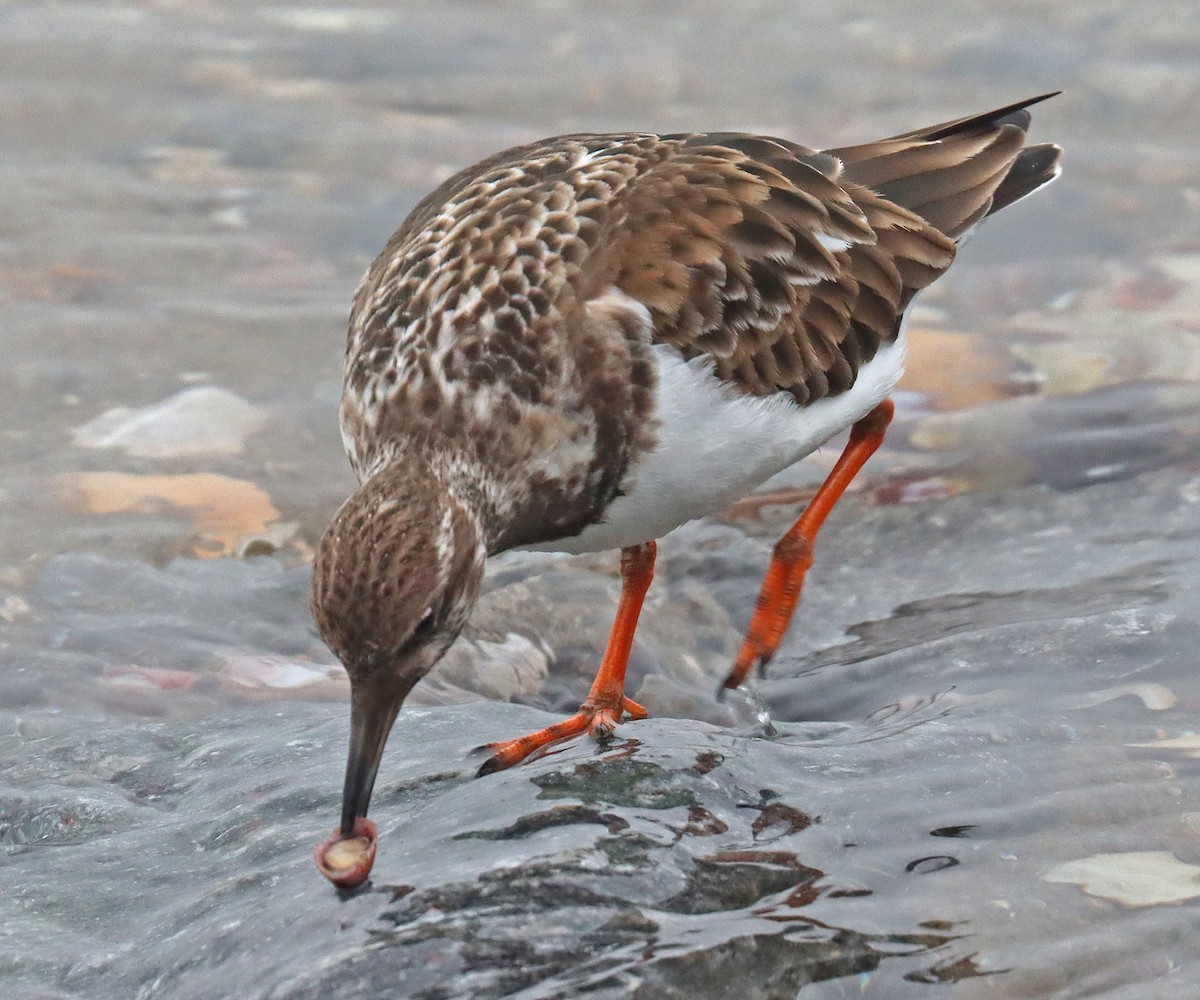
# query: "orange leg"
{"points": [[606, 702], [794, 551]]}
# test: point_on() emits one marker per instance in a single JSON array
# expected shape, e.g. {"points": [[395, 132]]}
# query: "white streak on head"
{"points": [[445, 544], [351, 447]]}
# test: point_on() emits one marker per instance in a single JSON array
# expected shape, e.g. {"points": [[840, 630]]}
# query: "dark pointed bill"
{"points": [[346, 856], [373, 711]]}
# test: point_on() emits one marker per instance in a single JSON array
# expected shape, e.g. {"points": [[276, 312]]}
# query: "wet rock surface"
{"points": [[972, 764], [941, 758]]}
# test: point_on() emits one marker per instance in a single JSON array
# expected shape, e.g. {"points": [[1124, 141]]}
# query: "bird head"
{"points": [[394, 580]]}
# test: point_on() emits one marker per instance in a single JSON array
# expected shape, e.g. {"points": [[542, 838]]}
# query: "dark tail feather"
{"points": [[1012, 114], [1037, 165], [956, 173]]}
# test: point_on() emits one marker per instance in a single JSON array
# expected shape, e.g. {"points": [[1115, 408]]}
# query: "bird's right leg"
{"points": [[606, 703]]}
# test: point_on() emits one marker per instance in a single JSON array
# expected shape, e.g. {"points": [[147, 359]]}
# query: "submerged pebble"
{"points": [[281, 676], [230, 516]]}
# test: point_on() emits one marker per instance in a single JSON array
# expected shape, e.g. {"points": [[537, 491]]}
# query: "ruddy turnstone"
{"points": [[582, 343]]}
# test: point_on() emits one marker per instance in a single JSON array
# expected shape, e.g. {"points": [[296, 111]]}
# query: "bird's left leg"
{"points": [[606, 703], [794, 551]]}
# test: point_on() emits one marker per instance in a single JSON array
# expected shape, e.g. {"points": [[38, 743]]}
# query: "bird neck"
{"points": [[451, 490]]}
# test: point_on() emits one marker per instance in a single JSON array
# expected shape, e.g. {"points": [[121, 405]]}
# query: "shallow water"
{"points": [[979, 766]]}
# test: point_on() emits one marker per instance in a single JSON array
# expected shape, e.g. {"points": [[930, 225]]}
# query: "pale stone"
{"points": [[1135, 878], [204, 420]]}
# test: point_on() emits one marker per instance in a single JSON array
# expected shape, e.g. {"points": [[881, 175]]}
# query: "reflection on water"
{"points": [[970, 763]]}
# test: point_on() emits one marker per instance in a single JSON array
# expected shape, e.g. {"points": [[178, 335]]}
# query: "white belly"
{"points": [[716, 445]]}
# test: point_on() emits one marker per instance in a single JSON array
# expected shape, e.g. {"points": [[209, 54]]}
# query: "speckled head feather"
{"points": [[394, 580], [398, 566]]}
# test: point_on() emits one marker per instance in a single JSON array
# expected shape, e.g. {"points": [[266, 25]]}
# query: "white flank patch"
{"points": [[717, 444]]}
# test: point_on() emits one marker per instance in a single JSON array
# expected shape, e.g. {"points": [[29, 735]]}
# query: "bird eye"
{"points": [[425, 626], [419, 636]]}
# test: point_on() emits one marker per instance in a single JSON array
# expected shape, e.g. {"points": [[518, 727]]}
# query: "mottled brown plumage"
{"points": [[533, 344]]}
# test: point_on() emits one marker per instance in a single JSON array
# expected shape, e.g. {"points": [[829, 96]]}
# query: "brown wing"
{"points": [[790, 266]]}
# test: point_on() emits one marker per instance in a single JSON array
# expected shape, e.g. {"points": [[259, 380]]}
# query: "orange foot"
{"points": [[597, 720]]}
